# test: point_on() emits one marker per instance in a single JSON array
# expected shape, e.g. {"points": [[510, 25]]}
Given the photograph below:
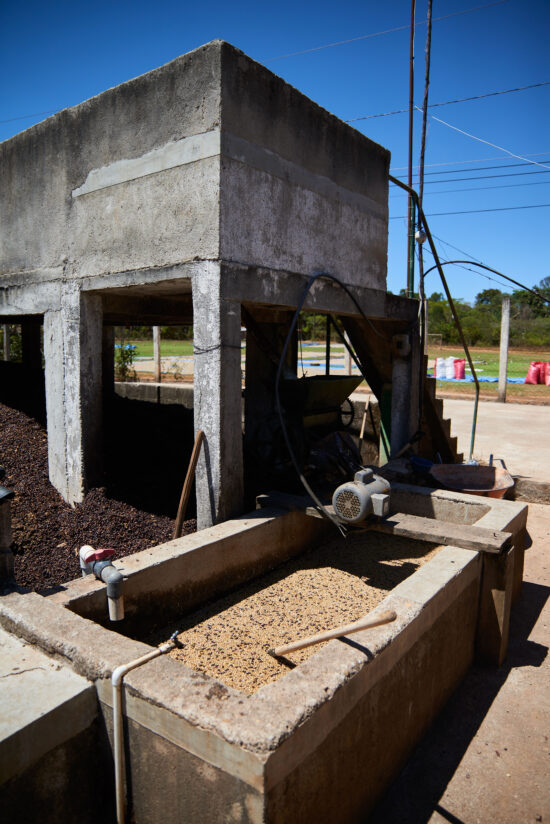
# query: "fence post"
{"points": [[156, 353], [504, 338]]}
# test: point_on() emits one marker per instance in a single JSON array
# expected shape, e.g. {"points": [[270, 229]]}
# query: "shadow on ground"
{"points": [[147, 451], [414, 795]]}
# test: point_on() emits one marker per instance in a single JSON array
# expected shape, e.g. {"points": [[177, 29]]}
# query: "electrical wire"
{"points": [[481, 188], [479, 211], [451, 102], [282, 360], [461, 162], [487, 142], [486, 177], [477, 168], [378, 33]]}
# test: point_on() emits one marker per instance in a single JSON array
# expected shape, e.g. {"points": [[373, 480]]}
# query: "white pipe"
{"points": [[118, 732]]}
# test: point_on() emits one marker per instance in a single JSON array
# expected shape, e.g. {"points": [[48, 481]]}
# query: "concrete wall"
{"points": [[209, 156], [319, 744]]}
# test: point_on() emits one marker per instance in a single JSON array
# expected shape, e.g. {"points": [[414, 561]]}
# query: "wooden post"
{"points": [[504, 338], [6, 335], [156, 352], [186, 491]]}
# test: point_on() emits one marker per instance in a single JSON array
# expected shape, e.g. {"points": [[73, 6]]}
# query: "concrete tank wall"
{"points": [[210, 156]]}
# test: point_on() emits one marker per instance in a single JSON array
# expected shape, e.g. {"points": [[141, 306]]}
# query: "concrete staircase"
{"points": [[438, 438]]}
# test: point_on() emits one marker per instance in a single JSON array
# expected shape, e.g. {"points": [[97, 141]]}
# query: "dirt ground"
{"points": [[47, 532]]}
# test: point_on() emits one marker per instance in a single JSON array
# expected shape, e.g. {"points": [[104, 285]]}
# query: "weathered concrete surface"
{"points": [[201, 171], [187, 571], [319, 743], [208, 156], [43, 705], [487, 758]]}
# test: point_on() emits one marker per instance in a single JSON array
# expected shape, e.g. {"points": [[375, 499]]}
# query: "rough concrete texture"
{"points": [[487, 757], [205, 159], [163, 183], [217, 399], [73, 782], [336, 727], [43, 703], [182, 574]]}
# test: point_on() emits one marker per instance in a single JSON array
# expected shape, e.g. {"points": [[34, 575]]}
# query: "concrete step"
{"points": [[430, 384]]}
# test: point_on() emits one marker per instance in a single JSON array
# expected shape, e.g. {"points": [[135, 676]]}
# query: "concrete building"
{"points": [[201, 188]]}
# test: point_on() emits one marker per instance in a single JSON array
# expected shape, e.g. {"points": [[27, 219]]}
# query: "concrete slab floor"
{"points": [[486, 760], [516, 432], [44, 703]]}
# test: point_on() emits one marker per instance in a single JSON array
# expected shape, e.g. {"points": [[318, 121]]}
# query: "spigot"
{"points": [[98, 562]]}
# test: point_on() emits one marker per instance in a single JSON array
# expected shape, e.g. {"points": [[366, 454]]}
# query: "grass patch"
{"points": [[168, 348], [486, 361]]}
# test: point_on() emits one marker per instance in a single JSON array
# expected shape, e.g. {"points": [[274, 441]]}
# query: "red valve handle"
{"points": [[100, 554]]}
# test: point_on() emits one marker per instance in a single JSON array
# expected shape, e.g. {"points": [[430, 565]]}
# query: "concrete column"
{"points": [[30, 344], [405, 390], [217, 398], [73, 355]]}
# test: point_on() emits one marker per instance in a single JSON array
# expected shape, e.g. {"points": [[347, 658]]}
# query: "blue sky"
{"points": [[57, 54]]}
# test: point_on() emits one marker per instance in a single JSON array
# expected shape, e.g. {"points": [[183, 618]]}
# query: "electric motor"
{"points": [[367, 494]]}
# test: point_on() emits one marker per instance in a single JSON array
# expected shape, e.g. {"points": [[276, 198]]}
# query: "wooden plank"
{"points": [[406, 526], [443, 532]]}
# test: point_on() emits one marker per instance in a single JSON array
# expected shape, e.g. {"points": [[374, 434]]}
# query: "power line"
{"points": [[462, 162], [485, 177], [378, 33], [478, 169], [25, 116], [450, 102], [478, 211], [487, 142], [481, 188]]}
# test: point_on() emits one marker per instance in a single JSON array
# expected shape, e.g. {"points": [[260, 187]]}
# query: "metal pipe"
{"points": [[450, 300], [117, 677]]}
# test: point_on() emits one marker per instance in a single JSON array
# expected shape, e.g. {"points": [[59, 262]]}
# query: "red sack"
{"points": [[533, 373], [460, 368], [546, 379]]}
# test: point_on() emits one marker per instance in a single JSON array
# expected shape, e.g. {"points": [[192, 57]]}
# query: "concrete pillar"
{"points": [[30, 344], [405, 389], [73, 356], [217, 398]]}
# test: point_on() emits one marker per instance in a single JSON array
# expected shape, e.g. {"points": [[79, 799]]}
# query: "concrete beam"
{"points": [[72, 351], [217, 401]]}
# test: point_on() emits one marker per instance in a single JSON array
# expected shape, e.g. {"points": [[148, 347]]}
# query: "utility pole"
{"points": [[156, 352], [504, 338], [410, 237], [420, 233]]}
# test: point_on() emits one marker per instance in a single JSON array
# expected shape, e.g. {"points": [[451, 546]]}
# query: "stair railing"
{"points": [[422, 217]]}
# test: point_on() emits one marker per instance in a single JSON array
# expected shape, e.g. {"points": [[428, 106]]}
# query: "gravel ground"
{"points": [[47, 532], [333, 584]]}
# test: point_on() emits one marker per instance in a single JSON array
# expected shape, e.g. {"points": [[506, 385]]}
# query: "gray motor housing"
{"points": [[368, 494]]}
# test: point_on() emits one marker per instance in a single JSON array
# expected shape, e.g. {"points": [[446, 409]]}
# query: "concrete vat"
{"points": [[319, 743]]}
